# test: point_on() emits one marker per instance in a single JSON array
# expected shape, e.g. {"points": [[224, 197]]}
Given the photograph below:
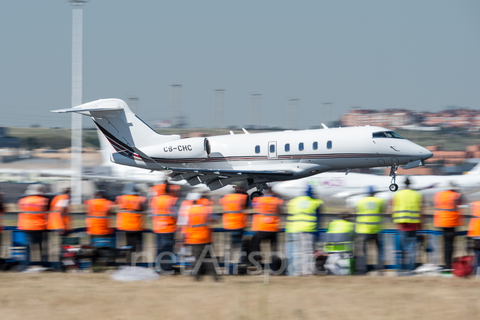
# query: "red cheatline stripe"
{"points": [[116, 146]]}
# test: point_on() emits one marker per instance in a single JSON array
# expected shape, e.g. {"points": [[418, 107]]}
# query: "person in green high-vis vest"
{"points": [[369, 212], [302, 232]]}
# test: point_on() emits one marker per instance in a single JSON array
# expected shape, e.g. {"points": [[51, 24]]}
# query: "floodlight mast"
{"points": [[77, 90]]}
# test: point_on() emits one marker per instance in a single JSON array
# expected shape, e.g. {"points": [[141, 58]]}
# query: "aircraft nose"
{"points": [[425, 153]]}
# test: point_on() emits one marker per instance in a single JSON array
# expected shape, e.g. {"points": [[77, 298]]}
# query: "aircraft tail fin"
{"points": [[120, 126]]}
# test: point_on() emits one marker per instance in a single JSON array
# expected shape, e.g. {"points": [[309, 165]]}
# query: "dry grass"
{"points": [[95, 296]]}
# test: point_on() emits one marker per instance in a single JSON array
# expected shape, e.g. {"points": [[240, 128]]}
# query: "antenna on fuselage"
{"points": [[245, 130], [324, 126]]}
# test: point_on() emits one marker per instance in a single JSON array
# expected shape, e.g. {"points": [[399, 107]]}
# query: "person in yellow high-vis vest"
{"points": [[369, 212], [340, 234], [302, 231], [407, 208]]}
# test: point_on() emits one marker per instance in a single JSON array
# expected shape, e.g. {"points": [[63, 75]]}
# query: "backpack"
{"points": [[463, 266]]}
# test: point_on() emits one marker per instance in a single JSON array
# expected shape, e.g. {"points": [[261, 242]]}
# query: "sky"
{"points": [[417, 55]]}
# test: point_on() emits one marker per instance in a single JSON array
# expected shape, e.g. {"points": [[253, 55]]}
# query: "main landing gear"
{"points": [[256, 194], [259, 192], [393, 173]]}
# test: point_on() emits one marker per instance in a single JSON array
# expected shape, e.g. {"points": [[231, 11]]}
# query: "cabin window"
{"points": [[315, 145], [287, 147], [257, 149], [300, 146], [272, 148], [329, 144]]}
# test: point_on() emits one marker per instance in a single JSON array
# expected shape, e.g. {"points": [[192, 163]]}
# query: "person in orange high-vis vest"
{"points": [[447, 215], [130, 215], [32, 220], [198, 235], [59, 219], [159, 189], [98, 213], [164, 214], [234, 220], [265, 222], [474, 233]]}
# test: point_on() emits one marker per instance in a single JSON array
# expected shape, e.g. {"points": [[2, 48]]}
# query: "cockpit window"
{"points": [[387, 134]]}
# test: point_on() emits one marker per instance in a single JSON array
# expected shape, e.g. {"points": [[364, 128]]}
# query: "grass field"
{"points": [[96, 296]]}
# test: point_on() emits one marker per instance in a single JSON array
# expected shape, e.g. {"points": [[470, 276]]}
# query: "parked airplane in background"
{"points": [[254, 158], [338, 188]]}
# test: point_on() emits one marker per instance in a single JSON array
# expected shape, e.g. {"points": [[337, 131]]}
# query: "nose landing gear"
{"points": [[393, 173]]}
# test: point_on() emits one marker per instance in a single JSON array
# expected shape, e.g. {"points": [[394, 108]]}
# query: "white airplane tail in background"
{"points": [[106, 148], [123, 129], [475, 170]]}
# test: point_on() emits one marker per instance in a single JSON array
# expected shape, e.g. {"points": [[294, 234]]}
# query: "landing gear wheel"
{"points": [[393, 187], [255, 194]]}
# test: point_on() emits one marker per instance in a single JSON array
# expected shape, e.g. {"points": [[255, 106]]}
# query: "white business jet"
{"points": [[254, 158], [336, 188]]}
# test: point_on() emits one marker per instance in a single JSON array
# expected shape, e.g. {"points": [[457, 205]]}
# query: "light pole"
{"points": [[175, 111], [255, 110], [293, 114], [218, 108], [77, 89], [327, 111]]}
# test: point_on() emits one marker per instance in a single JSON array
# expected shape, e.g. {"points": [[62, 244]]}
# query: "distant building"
{"points": [[390, 118], [398, 118]]}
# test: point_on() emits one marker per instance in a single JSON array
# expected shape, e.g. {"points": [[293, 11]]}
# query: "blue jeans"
{"points": [[289, 251], [40, 237], [476, 252], [165, 243], [301, 253], [408, 249]]}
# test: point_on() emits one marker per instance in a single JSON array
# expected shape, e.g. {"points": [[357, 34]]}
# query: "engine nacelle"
{"points": [[196, 148]]}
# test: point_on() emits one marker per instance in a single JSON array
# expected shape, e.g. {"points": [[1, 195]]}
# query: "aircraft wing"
{"points": [[217, 178]]}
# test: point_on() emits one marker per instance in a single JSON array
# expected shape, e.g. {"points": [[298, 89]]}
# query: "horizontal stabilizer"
{"points": [[112, 108], [120, 125]]}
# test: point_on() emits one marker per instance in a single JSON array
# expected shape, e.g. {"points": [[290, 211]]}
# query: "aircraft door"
{"points": [[272, 150]]}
